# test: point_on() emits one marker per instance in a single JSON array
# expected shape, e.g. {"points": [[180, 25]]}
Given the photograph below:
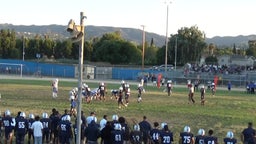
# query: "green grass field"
{"points": [[225, 111]]}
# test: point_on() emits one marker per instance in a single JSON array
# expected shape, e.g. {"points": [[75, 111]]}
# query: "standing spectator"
{"points": [[37, 128], [103, 122], [166, 136], [155, 134], [229, 139], [202, 91], [31, 120], [46, 121], [145, 127], [229, 86], [210, 139], [21, 128], [186, 137], [247, 134], [55, 84], [8, 124], [92, 133], [199, 138], [136, 136]]}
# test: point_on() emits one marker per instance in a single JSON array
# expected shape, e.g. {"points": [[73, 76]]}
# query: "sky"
{"points": [[213, 17]]}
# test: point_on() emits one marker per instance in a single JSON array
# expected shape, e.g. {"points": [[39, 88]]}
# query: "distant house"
{"points": [[236, 60]]}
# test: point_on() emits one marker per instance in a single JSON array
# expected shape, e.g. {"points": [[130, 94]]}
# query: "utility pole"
{"points": [[143, 47]]}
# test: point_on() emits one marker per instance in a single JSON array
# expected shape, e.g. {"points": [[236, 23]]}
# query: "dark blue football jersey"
{"points": [[186, 138], [230, 141], [166, 137]]}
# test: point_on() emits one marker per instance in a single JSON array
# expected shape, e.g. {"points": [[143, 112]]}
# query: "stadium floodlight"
{"points": [[77, 32]]}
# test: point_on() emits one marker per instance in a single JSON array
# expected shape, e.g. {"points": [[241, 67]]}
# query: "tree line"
{"points": [[188, 45]]}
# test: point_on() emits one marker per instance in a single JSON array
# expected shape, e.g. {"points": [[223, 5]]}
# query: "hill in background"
{"points": [[130, 34]]}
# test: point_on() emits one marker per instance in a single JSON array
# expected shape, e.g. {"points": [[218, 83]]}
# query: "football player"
{"points": [[213, 89], [120, 101], [169, 87], [127, 92], [140, 90], [65, 130], [102, 90], [21, 128], [166, 136], [199, 138], [186, 137], [55, 84], [31, 119], [202, 91], [210, 139], [229, 139], [46, 121], [8, 124], [136, 136], [155, 133], [117, 135]]}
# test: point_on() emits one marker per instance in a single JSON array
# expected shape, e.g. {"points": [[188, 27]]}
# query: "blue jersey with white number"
{"points": [[117, 136], [21, 126], [8, 123], [46, 124], [166, 137], [186, 138]]}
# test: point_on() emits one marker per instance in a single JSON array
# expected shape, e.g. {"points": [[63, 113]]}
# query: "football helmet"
{"points": [[186, 129], [67, 118], [115, 117], [122, 82], [136, 127], [121, 88], [201, 132], [31, 116], [230, 134], [163, 124], [118, 126], [22, 114], [102, 83], [44, 115], [7, 113]]}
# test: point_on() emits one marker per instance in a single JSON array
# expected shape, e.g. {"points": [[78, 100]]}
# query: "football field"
{"points": [[223, 112]]}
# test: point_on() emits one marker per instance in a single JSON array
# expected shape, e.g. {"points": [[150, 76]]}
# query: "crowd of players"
{"points": [[58, 128]]}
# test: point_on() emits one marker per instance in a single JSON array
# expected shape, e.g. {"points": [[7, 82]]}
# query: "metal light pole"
{"points": [[143, 47], [166, 40], [77, 32], [175, 53], [80, 79], [23, 48]]}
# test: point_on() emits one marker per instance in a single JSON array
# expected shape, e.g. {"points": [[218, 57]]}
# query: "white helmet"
{"points": [[115, 117], [121, 88], [85, 85], [22, 114], [67, 118], [127, 85], [102, 83], [56, 80], [118, 126], [139, 85], [7, 113], [31, 116], [230, 134], [201, 132], [136, 127], [202, 86], [163, 124], [122, 82], [186, 129], [45, 115], [213, 83], [75, 89]]}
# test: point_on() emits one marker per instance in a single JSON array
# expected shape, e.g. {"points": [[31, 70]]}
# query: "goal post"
{"points": [[11, 68]]}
